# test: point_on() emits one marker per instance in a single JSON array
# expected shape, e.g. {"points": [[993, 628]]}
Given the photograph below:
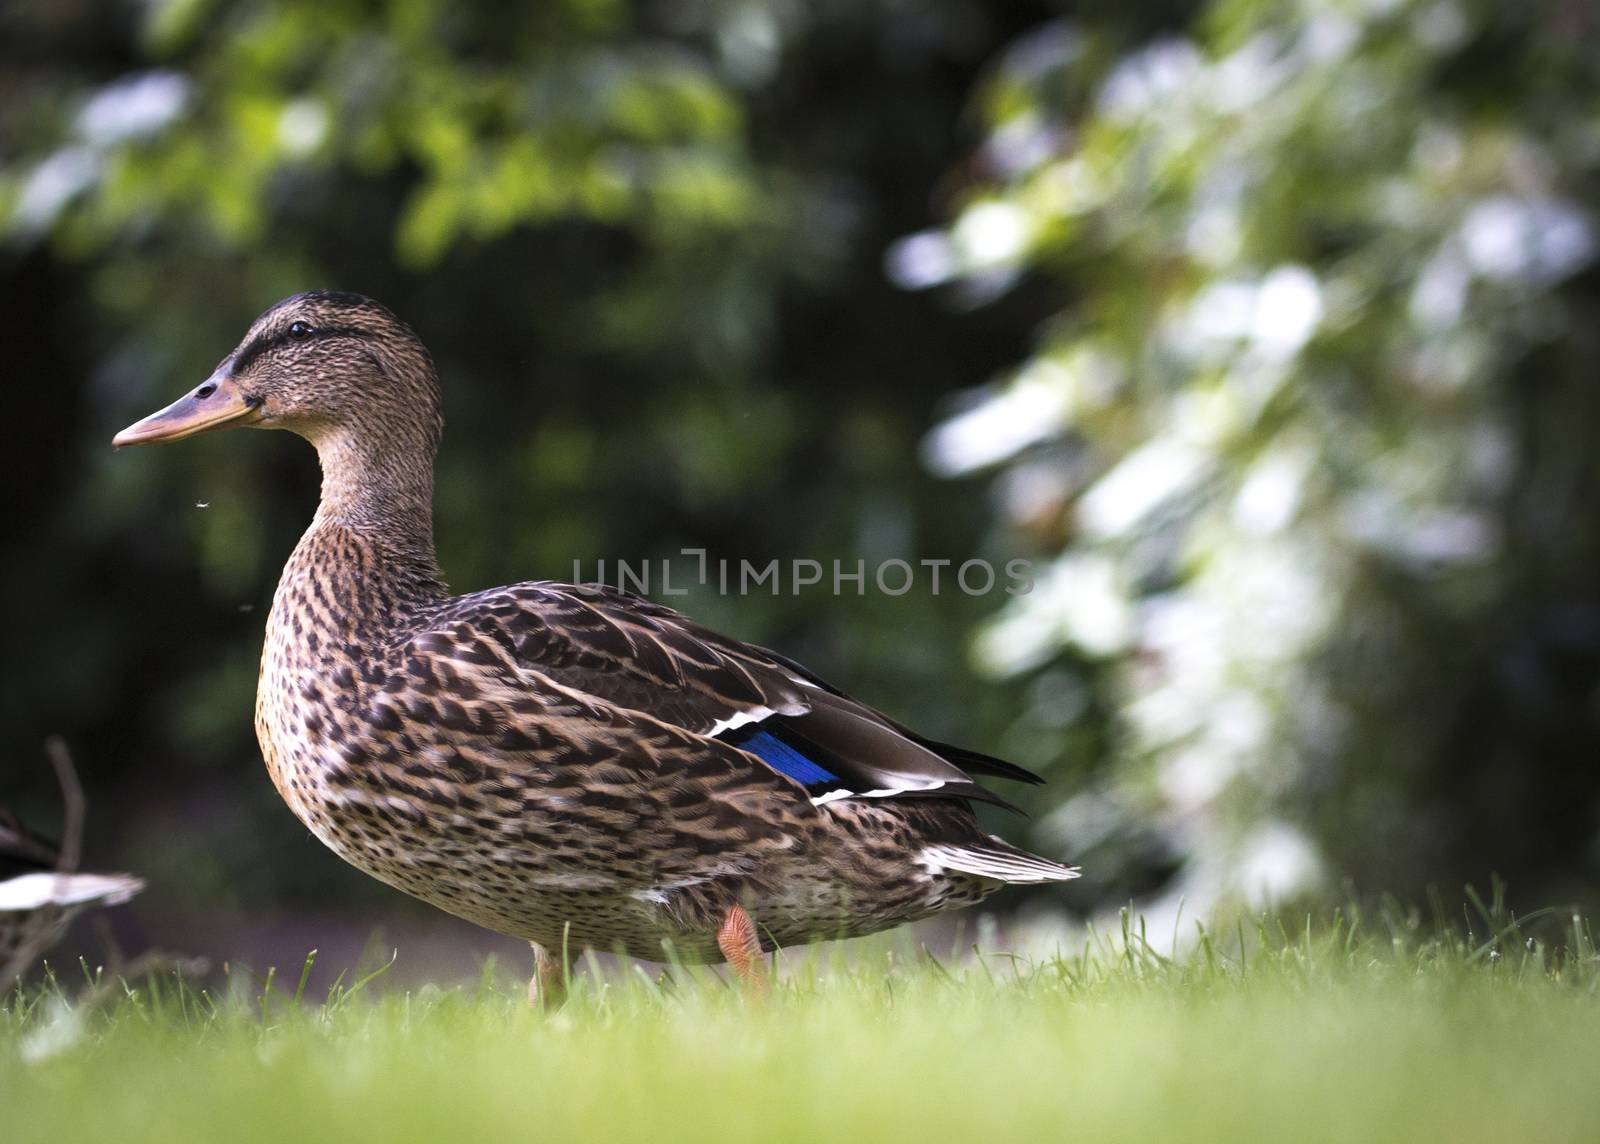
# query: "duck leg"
{"points": [[741, 949], [547, 988]]}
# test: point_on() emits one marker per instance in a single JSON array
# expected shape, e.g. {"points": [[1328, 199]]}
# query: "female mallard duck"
{"points": [[569, 764]]}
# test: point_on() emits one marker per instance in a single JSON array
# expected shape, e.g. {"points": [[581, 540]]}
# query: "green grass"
{"points": [[1336, 1031]]}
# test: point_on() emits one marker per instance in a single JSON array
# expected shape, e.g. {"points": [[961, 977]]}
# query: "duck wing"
{"points": [[628, 652]]}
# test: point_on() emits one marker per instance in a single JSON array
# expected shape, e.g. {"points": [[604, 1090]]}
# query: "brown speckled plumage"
{"points": [[558, 762]]}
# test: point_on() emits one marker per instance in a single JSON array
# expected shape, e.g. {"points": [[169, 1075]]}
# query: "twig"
{"points": [[50, 918], [72, 804]]}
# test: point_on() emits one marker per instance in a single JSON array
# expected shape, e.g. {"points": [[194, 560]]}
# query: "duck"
{"points": [[569, 764], [39, 900]]}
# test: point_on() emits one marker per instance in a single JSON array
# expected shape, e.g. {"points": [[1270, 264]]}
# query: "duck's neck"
{"points": [[368, 557], [381, 490]]}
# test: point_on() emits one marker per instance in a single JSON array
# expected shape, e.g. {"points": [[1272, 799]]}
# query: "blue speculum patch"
{"points": [[785, 759]]}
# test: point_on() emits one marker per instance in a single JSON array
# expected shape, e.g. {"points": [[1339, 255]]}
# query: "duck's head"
{"points": [[331, 367]]}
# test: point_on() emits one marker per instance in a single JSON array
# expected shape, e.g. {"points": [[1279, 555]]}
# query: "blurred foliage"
{"points": [[1288, 308], [1310, 438]]}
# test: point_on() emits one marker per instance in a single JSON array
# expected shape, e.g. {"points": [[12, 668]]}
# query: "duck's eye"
{"points": [[299, 331]]}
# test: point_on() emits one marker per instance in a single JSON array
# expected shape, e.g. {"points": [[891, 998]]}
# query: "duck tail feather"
{"points": [[996, 859], [32, 891]]}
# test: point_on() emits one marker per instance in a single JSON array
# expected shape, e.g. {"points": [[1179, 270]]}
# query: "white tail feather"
{"points": [[1003, 863], [30, 891]]}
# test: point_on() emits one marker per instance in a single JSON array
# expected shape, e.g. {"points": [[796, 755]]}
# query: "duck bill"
{"points": [[216, 404]]}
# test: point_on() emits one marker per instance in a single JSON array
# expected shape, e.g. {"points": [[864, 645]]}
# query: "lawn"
{"points": [[1331, 1030]]}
